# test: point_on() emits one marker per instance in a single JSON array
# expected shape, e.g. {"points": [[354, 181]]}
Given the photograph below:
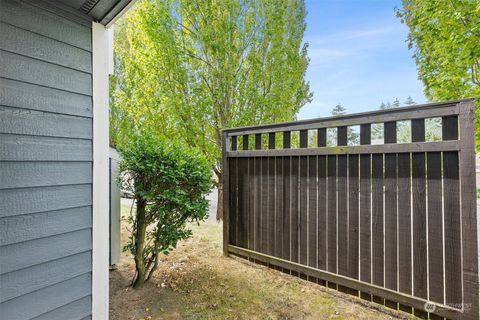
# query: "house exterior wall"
{"points": [[46, 152]]}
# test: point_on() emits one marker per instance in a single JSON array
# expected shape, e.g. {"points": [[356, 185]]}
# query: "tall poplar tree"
{"points": [[186, 70]]}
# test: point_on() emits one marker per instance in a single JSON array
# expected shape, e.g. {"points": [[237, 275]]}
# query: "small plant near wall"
{"points": [[170, 185]]}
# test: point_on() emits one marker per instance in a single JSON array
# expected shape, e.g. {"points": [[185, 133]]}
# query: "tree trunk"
{"points": [[220, 196], [141, 223]]}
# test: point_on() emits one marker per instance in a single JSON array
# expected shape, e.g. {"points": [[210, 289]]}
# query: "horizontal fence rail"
{"points": [[363, 210]]}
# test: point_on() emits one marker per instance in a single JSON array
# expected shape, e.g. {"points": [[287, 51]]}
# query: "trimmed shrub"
{"points": [[170, 185]]}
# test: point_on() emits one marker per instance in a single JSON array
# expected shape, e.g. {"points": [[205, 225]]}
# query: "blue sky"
{"points": [[358, 56]]}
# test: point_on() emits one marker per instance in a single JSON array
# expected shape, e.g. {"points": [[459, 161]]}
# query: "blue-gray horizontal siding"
{"points": [[45, 162], [33, 97], [21, 282], [43, 224], [24, 201], [48, 173], [15, 147], [47, 299], [37, 251], [78, 309], [29, 122], [23, 42], [29, 16], [34, 71]]}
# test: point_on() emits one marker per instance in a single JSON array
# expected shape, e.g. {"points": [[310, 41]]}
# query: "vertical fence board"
{"points": [[271, 140], [342, 136], [419, 213], [322, 202], [294, 205], [271, 206], [303, 138], [272, 199], [286, 196], [252, 213], [453, 275], [245, 169], [279, 210], [258, 141], [264, 205], [287, 169], [365, 207], [245, 142], [257, 203], [243, 202], [342, 209], [303, 213], [312, 211], [234, 143], [233, 193], [391, 268], [322, 213], [342, 212], [322, 137], [377, 219], [353, 215], [404, 224], [286, 207], [435, 226], [332, 214]]}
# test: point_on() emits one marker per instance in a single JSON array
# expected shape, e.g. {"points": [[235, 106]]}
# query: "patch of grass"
{"points": [[196, 282]]}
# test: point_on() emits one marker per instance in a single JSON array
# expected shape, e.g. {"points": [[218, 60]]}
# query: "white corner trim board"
{"points": [[100, 222]]}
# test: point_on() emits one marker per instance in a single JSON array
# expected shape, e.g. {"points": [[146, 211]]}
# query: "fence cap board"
{"points": [[429, 110]]}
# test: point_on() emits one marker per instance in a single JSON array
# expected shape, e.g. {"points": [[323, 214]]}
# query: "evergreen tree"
{"points": [[338, 110], [409, 101], [353, 137], [396, 103]]}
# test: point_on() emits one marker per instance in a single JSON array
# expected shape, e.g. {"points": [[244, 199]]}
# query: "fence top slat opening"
{"points": [[437, 146], [430, 110]]}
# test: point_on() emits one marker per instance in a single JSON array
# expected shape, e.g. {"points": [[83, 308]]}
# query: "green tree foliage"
{"points": [[445, 37], [188, 69], [170, 185]]}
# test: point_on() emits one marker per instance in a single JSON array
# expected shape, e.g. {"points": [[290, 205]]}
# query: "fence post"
{"points": [[469, 208], [226, 194]]}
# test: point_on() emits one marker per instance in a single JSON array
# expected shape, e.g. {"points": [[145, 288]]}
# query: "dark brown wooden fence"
{"points": [[393, 222]]}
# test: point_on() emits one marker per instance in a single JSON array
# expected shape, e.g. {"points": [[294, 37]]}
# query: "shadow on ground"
{"points": [[197, 282]]}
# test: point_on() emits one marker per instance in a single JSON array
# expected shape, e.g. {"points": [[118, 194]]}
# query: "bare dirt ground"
{"points": [[196, 282]]}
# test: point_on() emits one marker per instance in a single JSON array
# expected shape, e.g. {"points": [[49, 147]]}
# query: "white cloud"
{"points": [[354, 44], [354, 34]]}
